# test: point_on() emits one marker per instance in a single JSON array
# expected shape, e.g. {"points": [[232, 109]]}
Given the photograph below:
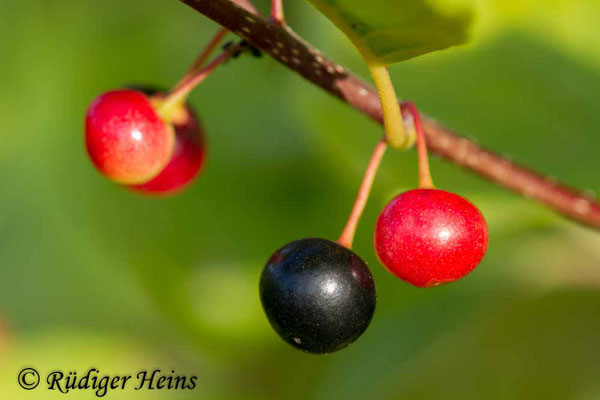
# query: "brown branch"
{"points": [[286, 47]]}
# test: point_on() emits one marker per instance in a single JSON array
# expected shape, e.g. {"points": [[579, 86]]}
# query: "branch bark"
{"points": [[282, 44]]}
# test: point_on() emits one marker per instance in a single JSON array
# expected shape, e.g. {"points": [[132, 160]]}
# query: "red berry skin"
{"points": [[187, 159], [428, 237], [125, 137]]}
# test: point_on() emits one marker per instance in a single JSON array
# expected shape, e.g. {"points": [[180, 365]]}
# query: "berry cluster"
{"points": [[317, 294], [131, 144], [151, 141]]}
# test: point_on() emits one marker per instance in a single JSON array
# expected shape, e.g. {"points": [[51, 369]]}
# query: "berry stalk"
{"points": [[179, 95], [425, 181], [203, 56], [395, 133], [277, 15], [347, 237]]}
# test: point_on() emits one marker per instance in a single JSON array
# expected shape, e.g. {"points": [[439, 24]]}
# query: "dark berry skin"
{"points": [[125, 137], [318, 295], [428, 237], [187, 158]]}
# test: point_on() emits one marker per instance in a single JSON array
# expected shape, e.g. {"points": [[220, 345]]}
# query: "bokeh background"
{"points": [[92, 275]]}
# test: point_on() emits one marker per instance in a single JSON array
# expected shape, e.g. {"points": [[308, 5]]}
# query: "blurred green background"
{"points": [[92, 275]]}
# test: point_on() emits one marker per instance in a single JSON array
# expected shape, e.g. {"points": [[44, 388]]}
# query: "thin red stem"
{"points": [[180, 94], [347, 237], [425, 181], [203, 56], [277, 15]]}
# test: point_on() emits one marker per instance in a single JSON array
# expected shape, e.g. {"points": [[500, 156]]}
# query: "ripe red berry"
{"points": [[428, 237], [187, 158], [126, 138]]}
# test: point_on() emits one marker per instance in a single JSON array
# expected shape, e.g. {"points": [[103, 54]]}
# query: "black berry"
{"points": [[319, 296]]}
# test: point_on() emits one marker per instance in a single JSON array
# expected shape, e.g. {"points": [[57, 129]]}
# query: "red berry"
{"points": [[428, 237], [186, 161], [126, 138]]}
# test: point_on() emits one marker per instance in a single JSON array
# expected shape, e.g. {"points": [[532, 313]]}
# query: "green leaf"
{"points": [[390, 31]]}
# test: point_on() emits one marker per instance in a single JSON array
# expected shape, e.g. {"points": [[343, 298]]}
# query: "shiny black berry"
{"points": [[319, 296]]}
